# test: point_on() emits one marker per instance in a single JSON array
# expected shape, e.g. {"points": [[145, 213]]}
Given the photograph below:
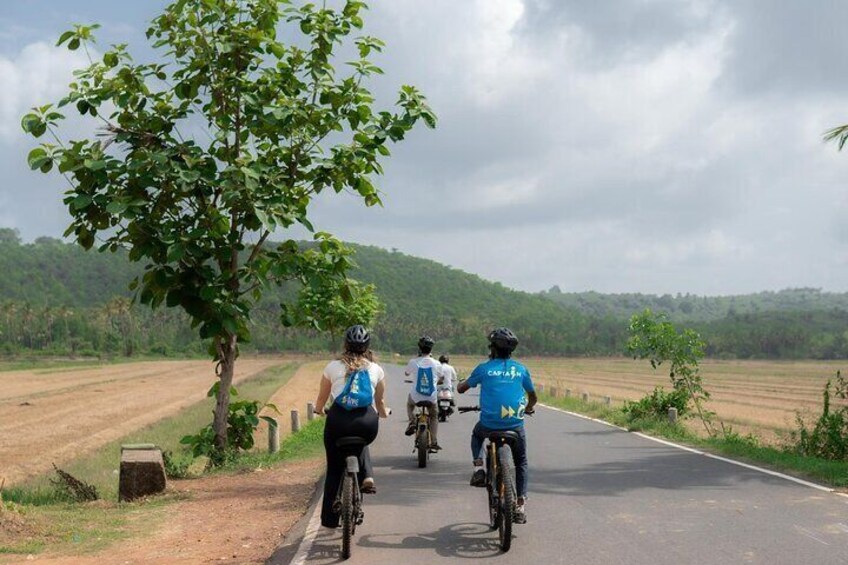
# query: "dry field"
{"points": [[54, 415], [762, 396]]}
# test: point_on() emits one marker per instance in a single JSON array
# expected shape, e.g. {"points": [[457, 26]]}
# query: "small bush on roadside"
{"points": [[177, 466], [656, 404], [828, 438], [242, 421]]}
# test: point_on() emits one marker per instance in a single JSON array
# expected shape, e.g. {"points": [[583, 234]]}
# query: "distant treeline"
{"points": [[57, 299]]}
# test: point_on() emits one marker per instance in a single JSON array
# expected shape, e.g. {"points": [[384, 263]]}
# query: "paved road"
{"points": [[598, 495]]}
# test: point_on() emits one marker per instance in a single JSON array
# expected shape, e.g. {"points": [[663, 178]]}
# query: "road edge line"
{"points": [[312, 529], [706, 454]]}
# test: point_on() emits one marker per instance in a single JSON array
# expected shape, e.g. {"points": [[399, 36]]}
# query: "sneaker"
{"points": [[519, 516], [410, 429], [478, 479], [434, 447], [368, 486]]}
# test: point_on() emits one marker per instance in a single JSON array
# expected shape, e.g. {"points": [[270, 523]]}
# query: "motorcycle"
{"points": [[445, 404]]}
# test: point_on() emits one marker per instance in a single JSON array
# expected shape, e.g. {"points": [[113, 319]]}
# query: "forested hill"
{"points": [[57, 298], [692, 308], [419, 296]]}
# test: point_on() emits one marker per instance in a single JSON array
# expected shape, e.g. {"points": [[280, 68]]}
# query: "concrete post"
{"points": [[295, 418], [273, 436], [553, 391], [568, 393], [607, 400], [310, 411], [672, 415], [585, 397], [540, 388]]}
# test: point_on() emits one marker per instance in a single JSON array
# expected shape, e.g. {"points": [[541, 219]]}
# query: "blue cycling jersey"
{"points": [[503, 383]]}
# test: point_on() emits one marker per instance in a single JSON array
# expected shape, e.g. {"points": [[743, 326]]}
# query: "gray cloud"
{"points": [[642, 145]]}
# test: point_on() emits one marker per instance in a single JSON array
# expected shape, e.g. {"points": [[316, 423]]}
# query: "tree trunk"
{"points": [[227, 359]]}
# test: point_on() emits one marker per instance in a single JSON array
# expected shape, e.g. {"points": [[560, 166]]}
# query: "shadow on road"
{"points": [[462, 541], [647, 469]]}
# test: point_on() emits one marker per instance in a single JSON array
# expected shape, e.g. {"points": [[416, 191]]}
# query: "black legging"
{"points": [[360, 422]]}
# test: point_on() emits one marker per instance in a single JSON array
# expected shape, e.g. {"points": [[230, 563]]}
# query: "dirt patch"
{"points": [[224, 519], [301, 388], [16, 528], [48, 416]]}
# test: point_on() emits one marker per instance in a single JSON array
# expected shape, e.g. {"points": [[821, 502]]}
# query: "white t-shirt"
{"points": [[449, 374], [336, 373], [412, 371]]}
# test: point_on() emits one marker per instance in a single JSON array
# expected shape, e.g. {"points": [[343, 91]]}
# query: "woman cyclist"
{"points": [[346, 417]]}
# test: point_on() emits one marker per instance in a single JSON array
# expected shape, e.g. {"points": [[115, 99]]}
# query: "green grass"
{"points": [[100, 467], [308, 442], [730, 444]]}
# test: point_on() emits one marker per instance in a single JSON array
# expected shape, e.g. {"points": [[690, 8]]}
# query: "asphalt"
{"points": [[598, 495]]}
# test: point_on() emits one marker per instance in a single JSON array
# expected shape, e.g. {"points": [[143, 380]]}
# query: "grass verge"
{"points": [[747, 448], [36, 517]]}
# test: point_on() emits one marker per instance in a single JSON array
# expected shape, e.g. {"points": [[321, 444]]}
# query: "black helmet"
{"points": [[444, 359], [503, 339], [426, 343], [357, 339]]}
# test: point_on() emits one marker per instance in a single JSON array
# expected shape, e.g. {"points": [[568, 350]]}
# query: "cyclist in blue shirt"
{"points": [[503, 404]]}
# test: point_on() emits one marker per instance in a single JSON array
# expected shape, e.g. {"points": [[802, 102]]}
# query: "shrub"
{"points": [[177, 466], [242, 421], [828, 438], [656, 404]]}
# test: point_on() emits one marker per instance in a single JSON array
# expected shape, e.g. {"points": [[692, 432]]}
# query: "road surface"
{"points": [[598, 495]]}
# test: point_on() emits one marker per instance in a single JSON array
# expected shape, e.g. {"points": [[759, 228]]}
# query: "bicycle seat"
{"points": [[351, 441], [506, 435], [424, 404]]}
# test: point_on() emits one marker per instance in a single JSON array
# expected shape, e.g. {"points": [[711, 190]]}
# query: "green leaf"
{"points": [[37, 158], [81, 202], [74, 44], [64, 37]]}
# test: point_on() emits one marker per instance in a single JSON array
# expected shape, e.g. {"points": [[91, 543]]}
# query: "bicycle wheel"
{"points": [[422, 444], [506, 484], [348, 517], [494, 510]]}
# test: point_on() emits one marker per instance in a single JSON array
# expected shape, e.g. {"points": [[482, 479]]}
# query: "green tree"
{"points": [[334, 307], [654, 338], [223, 141]]}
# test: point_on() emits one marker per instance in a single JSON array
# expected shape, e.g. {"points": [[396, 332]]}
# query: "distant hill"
{"points": [[56, 298], [692, 308]]}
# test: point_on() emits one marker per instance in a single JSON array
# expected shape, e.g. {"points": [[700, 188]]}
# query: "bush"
{"points": [[656, 404], [828, 438], [242, 421], [177, 466]]}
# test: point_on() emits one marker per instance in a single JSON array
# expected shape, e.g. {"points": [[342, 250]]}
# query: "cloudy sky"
{"points": [[619, 146]]}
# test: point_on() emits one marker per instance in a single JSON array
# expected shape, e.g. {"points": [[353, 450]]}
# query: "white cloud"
{"points": [[38, 74]]}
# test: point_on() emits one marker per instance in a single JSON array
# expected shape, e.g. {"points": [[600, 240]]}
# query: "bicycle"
{"points": [[423, 439], [500, 481], [348, 503]]}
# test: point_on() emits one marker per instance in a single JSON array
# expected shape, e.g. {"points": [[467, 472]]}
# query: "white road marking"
{"points": [[309, 536], [710, 455], [811, 535]]}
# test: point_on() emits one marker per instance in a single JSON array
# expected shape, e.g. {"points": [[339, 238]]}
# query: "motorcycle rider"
{"points": [[449, 378], [357, 385], [503, 383], [426, 373]]}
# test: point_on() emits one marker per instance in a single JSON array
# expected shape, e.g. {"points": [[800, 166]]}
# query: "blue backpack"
{"points": [[358, 392], [424, 384]]}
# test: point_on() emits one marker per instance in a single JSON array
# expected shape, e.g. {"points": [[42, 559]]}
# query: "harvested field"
{"points": [[762, 396], [54, 415]]}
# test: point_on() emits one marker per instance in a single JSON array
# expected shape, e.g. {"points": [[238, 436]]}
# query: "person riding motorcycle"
{"points": [[448, 384], [503, 383], [357, 386], [426, 376]]}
